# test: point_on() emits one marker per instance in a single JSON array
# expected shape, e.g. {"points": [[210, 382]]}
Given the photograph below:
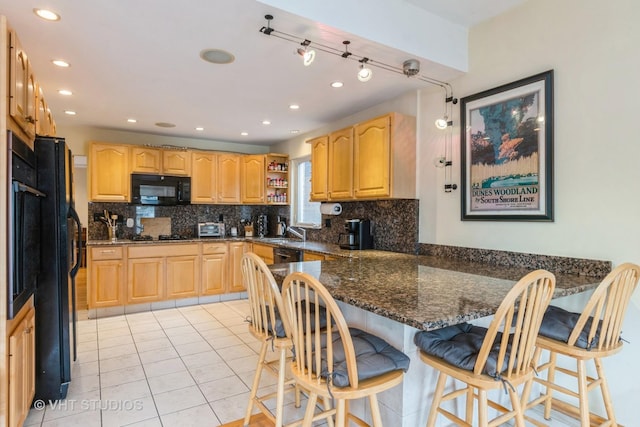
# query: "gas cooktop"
{"points": [[146, 237]]}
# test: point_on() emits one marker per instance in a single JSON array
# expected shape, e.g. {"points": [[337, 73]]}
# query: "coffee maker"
{"points": [[357, 236]]}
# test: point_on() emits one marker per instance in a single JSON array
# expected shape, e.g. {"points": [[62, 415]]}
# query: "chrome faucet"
{"points": [[300, 233]]}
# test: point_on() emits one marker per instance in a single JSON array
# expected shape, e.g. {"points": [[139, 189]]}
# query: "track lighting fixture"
{"points": [[308, 55], [409, 68], [443, 122], [365, 73]]}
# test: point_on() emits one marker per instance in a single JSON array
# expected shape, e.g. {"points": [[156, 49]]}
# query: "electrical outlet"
{"points": [[97, 216], [327, 222]]}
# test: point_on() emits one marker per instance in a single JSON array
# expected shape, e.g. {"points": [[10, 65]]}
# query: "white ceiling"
{"points": [[140, 59]]}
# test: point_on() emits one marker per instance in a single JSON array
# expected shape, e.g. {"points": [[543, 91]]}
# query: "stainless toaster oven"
{"points": [[210, 229]]}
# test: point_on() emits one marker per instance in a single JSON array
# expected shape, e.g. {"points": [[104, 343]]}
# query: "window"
{"points": [[303, 212]]}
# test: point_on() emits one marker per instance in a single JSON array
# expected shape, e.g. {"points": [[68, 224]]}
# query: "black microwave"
{"points": [[161, 190]]}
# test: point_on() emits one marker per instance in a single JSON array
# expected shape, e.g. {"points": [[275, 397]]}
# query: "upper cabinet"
{"points": [[228, 178], [22, 89], [319, 168], [176, 162], [340, 169], [146, 160], [109, 178], [252, 179], [375, 159], [204, 175]]}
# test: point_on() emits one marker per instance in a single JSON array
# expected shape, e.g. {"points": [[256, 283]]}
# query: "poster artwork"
{"points": [[504, 152]]}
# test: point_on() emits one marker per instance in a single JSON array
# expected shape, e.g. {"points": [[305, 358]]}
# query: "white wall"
{"points": [[593, 48]]}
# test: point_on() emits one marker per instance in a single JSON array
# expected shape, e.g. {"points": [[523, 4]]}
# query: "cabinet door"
{"points": [[214, 273], [228, 178], [263, 251], [372, 159], [319, 168], [146, 160], [183, 276], [21, 369], [42, 121], [236, 250], [22, 99], [146, 280], [341, 165], [203, 177], [30, 359], [106, 283], [253, 179], [176, 162], [109, 178]]}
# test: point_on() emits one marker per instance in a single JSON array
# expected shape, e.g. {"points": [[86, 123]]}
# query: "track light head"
{"points": [[308, 55], [365, 73]]}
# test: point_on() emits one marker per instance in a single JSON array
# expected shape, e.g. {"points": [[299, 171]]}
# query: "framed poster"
{"points": [[507, 151]]}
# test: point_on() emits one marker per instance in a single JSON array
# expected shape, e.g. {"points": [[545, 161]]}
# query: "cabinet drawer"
{"points": [[263, 251], [111, 252], [214, 248], [150, 251]]}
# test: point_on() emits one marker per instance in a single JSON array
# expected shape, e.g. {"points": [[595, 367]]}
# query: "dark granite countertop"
{"points": [[422, 291]]}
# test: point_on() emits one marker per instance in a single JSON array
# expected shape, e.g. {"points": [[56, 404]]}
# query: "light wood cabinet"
{"points": [[253, 179], [22, 88], [375, 159], [215, 268], [176, 162], [203, 177], [146, 160], [183, 275], [145, 281], [21, 341], [277, 179], [109, 178], [43, 116], [319, 168], [106, 275], [384, 157], [263, 251], [340, 169], [236, 251], [313, 256], [228, 178]]}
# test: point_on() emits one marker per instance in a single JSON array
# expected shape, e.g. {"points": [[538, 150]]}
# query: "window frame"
{"points": [[295, 198]]}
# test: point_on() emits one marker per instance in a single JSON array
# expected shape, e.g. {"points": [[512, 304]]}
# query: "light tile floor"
{"points": [[188, 366]]}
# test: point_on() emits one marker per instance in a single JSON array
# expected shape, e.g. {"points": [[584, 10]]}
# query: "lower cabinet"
{"points": [[22, 344], [236, 250], [215, 264], [264, 251], [145, 280], [183, 276], [106, 275]]}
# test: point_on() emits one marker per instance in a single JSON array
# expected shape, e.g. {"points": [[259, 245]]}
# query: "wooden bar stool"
{"points": [[576, 335], [336, 362], [269, 324], [487, 358]]}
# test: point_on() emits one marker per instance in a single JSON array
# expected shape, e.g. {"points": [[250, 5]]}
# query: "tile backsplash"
{"points": [[394, 222]]}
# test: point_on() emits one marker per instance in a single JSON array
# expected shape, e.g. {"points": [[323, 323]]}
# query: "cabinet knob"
{"points": [[30, 119]]}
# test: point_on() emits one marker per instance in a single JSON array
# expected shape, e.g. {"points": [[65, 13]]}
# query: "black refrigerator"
{"points": [[55, 299]]}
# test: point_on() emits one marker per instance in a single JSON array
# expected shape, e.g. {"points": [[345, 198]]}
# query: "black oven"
{"points": [[162, 190], [23, 235]]}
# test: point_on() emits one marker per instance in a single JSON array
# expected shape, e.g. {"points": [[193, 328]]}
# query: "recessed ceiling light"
{"points": [[337, 84], [65, 92], [132, 120], [47, 14], [294, 131], [217, 56], [61, 63], [165, 125], [199, 128], [266, 122], [70, 113], [244, 133], [294, 107]]}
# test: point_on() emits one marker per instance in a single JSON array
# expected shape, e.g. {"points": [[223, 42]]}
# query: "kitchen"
{"points": [[592, 75]]}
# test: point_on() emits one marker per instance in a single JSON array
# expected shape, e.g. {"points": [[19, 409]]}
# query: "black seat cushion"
{"points": [[558, 324], [279, 327], [374, 357], [459, 345]]}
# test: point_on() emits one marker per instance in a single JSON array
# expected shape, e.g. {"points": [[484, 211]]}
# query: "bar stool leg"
{"points": [[583, 390], [256, 382], [375, 411], [483, 415], [469, 406], [281, 380], [604, 388], [437, 398], [551, 378]]}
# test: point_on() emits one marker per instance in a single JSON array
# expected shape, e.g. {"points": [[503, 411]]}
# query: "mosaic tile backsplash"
{"points": [[394, 223]]}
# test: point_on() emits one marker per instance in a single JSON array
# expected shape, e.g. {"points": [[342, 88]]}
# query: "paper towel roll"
{"points": [[331, 208]]}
